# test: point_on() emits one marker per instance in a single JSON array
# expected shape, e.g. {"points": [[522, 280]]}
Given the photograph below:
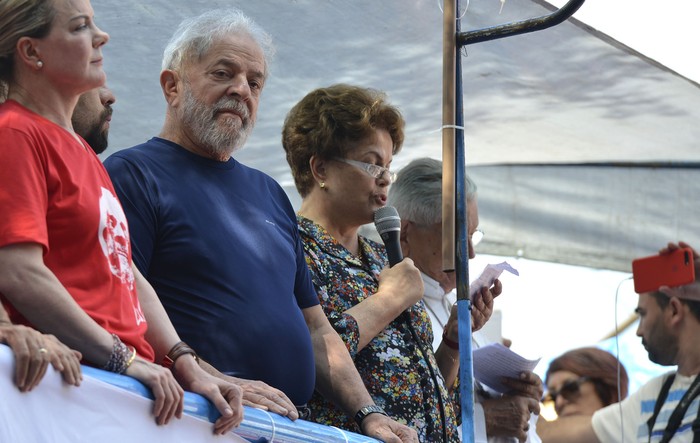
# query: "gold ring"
{"points": [[43, 351]]}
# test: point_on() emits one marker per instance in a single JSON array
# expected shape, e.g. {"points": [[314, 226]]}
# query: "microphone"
{"points": [[388, 224]]}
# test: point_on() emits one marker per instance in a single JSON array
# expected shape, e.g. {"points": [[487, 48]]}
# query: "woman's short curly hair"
{"points": [[599, 366], [328, 121]]}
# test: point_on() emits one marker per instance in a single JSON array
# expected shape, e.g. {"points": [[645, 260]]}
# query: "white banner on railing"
{"points": [[95, 412]]}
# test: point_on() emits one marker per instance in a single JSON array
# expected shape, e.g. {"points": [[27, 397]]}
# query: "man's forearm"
{"points": [[161, 334], [448, 363]]}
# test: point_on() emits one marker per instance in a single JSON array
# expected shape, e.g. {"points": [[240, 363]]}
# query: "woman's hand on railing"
{"points": [[34, 351], [388, 430]]}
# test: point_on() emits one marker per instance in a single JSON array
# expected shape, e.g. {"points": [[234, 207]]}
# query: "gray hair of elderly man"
{"points": [[417, 192], [194, 36]]}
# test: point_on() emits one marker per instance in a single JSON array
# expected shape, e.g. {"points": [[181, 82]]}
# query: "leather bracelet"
{"points": [[450, 344], [181, 348], [367, 410]]}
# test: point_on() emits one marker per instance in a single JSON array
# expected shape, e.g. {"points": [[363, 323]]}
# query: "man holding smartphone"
{"points": [[666, 408]]}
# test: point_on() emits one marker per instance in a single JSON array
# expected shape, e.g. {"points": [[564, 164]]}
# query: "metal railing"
{"points": [[258, 426]]}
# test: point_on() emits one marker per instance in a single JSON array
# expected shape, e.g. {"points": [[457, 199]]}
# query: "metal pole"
{"points": [[454, 162], [522, 27], [448, 133], [464, 304]]}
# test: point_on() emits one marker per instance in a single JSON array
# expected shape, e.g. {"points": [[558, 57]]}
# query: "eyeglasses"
{"points": [[373, 171], [476, 237], [570, 390]]}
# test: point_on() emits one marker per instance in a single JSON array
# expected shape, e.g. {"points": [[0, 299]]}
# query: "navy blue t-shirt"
{"points": [[218, 241]]}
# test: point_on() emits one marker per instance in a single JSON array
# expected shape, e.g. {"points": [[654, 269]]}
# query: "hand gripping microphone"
{"points": [[388, 224]]}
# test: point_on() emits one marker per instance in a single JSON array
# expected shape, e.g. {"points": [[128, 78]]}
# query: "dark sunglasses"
{"points": [[569, 390]]}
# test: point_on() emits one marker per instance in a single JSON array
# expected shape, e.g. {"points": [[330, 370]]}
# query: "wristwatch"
{"points": [[365, 411]]}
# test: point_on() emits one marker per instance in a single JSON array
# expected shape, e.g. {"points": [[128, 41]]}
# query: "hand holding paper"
{"points": [[495, 361], [489, 275]]}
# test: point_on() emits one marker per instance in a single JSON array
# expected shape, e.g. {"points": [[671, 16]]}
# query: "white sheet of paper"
{"points": [[495, 361], [490, 273]]}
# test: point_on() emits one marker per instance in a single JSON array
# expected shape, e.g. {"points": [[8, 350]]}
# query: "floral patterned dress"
{"points": [[394, 365]]}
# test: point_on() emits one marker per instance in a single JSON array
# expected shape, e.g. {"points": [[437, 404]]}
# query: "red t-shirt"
{"points": [[56, 193]]}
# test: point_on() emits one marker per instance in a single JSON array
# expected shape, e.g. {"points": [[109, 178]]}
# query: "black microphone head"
{"points": [[387, 219], [388, 224]]}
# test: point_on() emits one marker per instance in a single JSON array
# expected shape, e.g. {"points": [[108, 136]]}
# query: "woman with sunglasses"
{"points": [[339, 142], [581, 381]]}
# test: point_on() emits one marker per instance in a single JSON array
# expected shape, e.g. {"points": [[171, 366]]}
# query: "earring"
{"points": [[39, 64], [322, 185]]}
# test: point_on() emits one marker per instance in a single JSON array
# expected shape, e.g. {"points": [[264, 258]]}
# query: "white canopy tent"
{"points": [[568, 95], [584, 150]]}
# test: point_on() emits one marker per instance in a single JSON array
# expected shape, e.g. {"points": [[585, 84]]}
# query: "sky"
{"points": [[664, 31]]}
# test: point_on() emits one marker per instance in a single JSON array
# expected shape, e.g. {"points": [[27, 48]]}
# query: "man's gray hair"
{"points": [[417, 192], [195, 35]]}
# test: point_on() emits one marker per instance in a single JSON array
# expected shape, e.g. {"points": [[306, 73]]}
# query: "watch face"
{"points": [[367, 410]]}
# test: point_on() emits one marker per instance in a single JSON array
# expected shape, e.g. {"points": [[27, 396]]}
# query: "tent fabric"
{"points": [[565, 95], [595, 215]]}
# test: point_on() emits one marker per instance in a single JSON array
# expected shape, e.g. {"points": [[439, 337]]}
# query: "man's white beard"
{"points": [[207, 132]]}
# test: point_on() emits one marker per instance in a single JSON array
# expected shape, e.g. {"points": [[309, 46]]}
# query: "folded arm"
{"points": [[400, 287]]}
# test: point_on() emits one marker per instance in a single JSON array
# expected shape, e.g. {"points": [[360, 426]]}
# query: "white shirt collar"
{"points": [[432, 288]]}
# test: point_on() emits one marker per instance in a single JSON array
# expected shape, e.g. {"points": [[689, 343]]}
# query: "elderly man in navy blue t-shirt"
{"points": [[218, 240]]}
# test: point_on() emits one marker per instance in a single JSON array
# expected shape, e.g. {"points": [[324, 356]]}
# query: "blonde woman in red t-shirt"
{"points": [[65, 259]]}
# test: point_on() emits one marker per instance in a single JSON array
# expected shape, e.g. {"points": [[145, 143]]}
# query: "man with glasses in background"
{"points": [[417, 196]]}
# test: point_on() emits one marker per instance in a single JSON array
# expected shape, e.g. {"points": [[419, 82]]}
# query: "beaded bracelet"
{"points": [[121, 357]]}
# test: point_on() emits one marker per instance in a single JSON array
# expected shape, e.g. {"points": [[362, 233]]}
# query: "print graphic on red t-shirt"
{"points": [[114, 239]]}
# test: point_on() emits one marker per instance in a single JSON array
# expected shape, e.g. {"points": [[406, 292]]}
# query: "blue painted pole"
{"points": [[464, 306]]}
